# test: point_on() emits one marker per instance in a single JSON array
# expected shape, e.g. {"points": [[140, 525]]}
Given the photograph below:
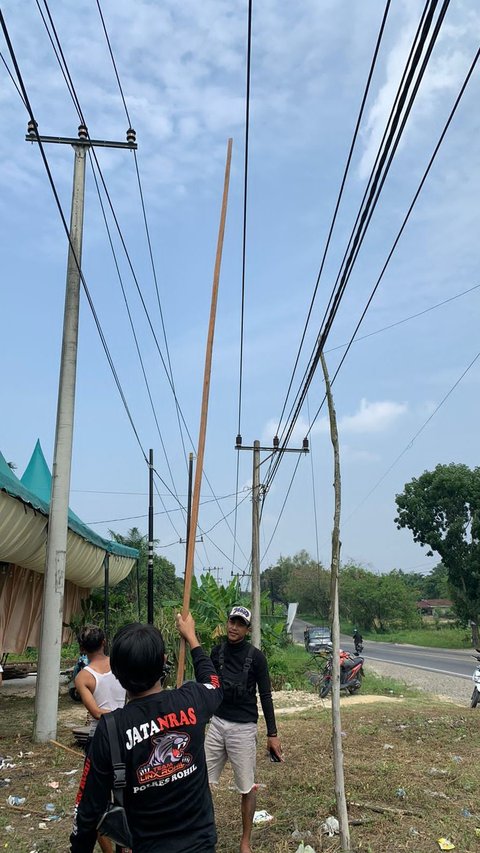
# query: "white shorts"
{"points": [[236, 742]]}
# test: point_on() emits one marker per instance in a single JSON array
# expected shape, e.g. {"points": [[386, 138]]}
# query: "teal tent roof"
{"points": [[6, 471], [38, 479], [37, 475]]}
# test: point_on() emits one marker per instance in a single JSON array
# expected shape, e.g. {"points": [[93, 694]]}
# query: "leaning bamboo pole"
{"points": [[192, 533], [339, 775]]}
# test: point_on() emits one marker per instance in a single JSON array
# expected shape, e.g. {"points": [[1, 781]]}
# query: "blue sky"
{"points": [[182, 68]]}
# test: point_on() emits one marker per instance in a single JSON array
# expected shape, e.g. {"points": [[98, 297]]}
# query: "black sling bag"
{"points": [[236, 690], [113, 823]]}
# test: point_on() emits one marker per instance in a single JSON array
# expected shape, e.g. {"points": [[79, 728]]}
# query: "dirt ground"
{"points": [[415, 760]]}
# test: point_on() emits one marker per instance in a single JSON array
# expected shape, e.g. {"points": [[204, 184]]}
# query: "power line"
{"points": [[67, 232], [145, 220], [169, 376], [160, 512], [132, 327], [405, 220], [275, 462], [282, 509], [12, 78], [397, 126], [314, 494], [339, 198], [244, 256], [404, 320], [82, 278], [418, 432], [71, 89]]}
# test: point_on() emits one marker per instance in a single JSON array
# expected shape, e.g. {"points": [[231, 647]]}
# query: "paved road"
{"points": [[454, 662]]}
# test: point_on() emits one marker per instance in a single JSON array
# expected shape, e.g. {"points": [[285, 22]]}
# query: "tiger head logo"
{"points": [[169, 749], [168, 756]]}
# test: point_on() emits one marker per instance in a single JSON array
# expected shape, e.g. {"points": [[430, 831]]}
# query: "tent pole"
{"points": [[139, 609], [106, 598]]}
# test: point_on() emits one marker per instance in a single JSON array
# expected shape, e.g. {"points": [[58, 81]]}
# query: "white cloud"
{"points": [[369, 418], [372, 417], [444, 74]]}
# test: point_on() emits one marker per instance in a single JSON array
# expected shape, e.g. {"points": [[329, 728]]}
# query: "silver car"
{"points": [[317, 640]]}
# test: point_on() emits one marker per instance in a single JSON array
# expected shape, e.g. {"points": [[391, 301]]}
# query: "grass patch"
{"points": [[289, 665], [416, 745], [443, 638], [68, 653], [383, 685]]}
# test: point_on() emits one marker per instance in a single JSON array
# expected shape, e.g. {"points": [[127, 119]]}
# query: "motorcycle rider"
{"points": [[358, 641]]}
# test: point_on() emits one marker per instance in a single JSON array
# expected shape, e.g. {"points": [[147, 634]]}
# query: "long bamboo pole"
{"points": [[339, 775], [203, 417]]}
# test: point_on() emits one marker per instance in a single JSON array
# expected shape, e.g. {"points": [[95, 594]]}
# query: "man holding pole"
{"points": [[232, 733]]}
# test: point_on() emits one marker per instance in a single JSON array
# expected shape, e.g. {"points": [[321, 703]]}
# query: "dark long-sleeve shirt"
{"points": [[167, 798], [246, 709]]}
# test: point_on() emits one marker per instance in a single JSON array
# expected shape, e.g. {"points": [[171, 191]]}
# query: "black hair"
{"points": [[90, 638], [137, 657]]}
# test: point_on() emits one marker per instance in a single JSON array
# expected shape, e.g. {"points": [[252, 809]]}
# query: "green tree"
{"points": [[123, 597], [442, 510], [376, 602], [436, 583], [275, 579], [413, 581], [302, 579]]}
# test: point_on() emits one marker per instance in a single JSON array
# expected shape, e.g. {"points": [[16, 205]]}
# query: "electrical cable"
{"points": [[12, 78], [67, 232], [404, 320], [282, 509], [66, 229], [244, 253], [314, 494], [72, 91], [132, 327], [405, 220], [418, 432], [339, 198], [364, 219], [366, 203], [160, 512], [147, 229]]}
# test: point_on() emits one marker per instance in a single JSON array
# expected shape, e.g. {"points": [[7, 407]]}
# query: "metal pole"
{"points": [[256, 632], [150, 541], [189, 501], [139, 607], [46, 700], [106, 598]]}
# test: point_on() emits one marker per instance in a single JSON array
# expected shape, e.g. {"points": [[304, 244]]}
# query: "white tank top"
{"points": [[108, 693]]}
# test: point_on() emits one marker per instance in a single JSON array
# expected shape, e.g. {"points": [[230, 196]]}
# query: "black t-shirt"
{"points": [[245, 710], [167, 798]]}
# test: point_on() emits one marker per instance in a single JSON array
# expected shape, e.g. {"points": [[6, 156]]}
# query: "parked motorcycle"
{"points": [[351, 674], [476, 682], [82, 661]]}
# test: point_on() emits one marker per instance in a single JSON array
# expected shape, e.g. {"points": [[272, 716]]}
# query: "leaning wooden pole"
{"points": [[192, 533], [340, 797]]}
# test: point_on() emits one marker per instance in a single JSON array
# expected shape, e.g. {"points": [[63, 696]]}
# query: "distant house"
{"points": [[429, 606]]}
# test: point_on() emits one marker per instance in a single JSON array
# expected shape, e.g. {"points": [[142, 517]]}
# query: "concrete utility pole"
{"points": [[257, 490], [46, 699]]}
